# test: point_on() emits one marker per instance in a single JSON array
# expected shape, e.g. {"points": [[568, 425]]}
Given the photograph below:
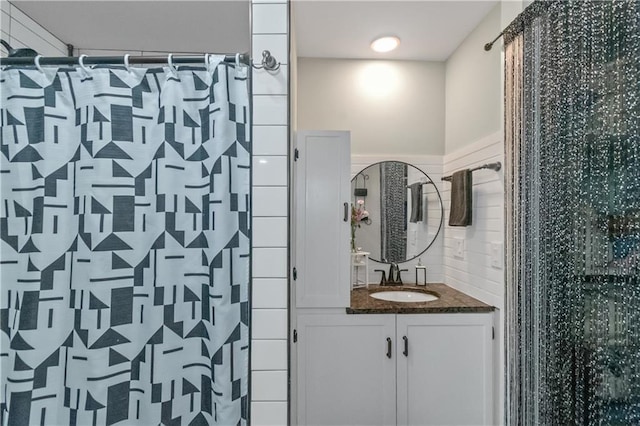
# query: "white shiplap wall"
{"points": [[474, 274], [269, 359], [432, 258], [21, 31]]}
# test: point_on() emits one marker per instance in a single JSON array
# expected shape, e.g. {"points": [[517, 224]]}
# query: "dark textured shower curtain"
{"points": [[393, 208], [572, 131], [125, 245]]}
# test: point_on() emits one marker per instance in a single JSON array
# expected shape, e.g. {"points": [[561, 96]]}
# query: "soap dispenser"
{"points": [[423, 268]]}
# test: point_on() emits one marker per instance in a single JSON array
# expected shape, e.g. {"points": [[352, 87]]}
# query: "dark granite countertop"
{"points": [[450, 301]]}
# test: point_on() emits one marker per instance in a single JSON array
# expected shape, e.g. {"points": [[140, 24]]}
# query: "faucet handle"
{"points": [[383, 280]]}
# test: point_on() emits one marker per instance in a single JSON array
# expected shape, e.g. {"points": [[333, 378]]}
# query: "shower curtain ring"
{"points": [[81, 63], [36, 61], [126, 62], [170, 62]]}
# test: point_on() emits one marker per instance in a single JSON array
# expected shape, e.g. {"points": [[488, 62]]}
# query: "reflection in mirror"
{"points": [[405, 211]]}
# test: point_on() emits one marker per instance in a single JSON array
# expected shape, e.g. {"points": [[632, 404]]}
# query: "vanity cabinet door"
{"points": [[445, 369], [323, 219], [345, 374]]}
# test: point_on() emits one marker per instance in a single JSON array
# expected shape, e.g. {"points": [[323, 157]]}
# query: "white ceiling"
{"points": [[428, 30], [172, 26]]}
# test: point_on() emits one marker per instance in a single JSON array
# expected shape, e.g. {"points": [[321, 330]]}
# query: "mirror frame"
{"points": [[437, 192]]}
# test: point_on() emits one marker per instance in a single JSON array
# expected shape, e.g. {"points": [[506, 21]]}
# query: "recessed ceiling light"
{"points": [[385, 44]]}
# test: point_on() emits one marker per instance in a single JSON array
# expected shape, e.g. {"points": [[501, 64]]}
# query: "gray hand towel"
{"points": [[461, 197], [416, 202]]}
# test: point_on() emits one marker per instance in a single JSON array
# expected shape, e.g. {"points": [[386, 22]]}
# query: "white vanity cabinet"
{"points": [[322, 218], [350, 374], [445, 371], [344, 374]]}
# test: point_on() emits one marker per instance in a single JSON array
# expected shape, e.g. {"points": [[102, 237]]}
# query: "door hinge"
{"points": [[493, 333], [295, 336], [296, 154], [295, 274]]}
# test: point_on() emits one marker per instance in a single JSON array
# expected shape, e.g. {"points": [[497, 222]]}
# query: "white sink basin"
{"points": [[404, 296]]}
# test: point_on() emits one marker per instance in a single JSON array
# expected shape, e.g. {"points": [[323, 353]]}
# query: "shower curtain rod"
{"points": [[268, 62], [529, 13], [117, 60]]}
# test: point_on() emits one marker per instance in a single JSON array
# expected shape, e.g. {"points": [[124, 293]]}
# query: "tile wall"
{"points": [[270, 29]]}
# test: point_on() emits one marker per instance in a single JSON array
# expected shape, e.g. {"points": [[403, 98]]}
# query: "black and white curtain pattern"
{"points": [[572, 130], [125, 245]]}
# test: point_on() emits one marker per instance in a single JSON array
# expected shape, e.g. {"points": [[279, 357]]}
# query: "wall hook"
{"points": [[268, 63]]}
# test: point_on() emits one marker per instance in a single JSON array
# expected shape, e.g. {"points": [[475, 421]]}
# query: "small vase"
{"points": [[353, 239]]}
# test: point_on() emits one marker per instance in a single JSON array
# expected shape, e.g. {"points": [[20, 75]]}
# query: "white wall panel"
{"points": [[269, 385], [270, 293], [269, 355], [269, 262], [271, 82], [269, 324], [270, 232], [270, 18], [270, 109], [270, 171], [269, 413], [270, 140], [270, 201]]}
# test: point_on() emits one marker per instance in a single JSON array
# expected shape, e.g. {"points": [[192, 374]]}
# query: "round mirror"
{"points": [[396, 212]]}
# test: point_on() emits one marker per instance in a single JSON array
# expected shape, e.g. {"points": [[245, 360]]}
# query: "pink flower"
{"points": [[358, 213]]}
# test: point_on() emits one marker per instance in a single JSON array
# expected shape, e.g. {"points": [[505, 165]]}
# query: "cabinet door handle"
{"points": [[406, 346], [388, 347], [346, 212]]}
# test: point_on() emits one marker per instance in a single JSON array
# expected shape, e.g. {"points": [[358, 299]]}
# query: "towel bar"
{"points": [[492, 166]]}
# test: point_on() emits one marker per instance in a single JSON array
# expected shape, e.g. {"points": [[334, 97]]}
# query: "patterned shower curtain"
{"points": [[125, 245], [572, 130]]}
